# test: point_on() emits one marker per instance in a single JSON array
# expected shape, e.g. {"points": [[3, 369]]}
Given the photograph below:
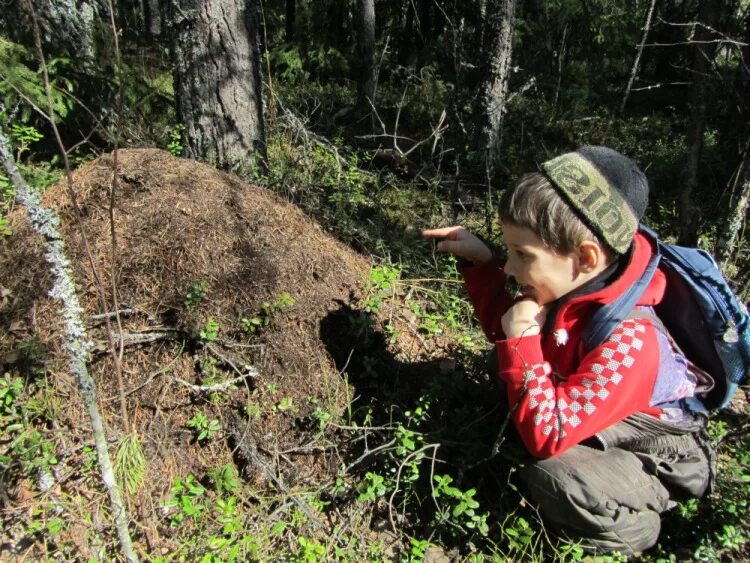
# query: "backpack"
{"points": [[700, 312]]}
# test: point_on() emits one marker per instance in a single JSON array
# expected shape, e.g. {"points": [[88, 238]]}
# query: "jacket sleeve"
{"points": [[612, 382], [485, 285]]}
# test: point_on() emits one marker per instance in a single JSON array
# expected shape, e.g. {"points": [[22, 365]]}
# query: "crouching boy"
{"points": [[617, 429]]}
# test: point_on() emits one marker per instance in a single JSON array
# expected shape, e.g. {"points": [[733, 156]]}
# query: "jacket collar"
{"points": [[616, 280]]}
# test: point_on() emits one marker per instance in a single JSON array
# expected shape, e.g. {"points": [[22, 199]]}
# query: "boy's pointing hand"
{"points": [[460, 242]]}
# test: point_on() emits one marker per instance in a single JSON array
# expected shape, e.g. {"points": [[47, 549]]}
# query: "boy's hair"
{"points": [[535, 204], [601, 195]]}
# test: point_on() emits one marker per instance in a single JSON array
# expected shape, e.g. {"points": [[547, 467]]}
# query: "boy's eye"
{"points": [[522, 255]]}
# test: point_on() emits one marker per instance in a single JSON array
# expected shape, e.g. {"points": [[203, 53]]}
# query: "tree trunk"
{"points": [[738, 204], [218, 82], [497, 58], [637, 62], [153, 17], [406, 42], [425, 34], [727, 240], [366, 80], [702, 60], [65, 26], [291, 16]]}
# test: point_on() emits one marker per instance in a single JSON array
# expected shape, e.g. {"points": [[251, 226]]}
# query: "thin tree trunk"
{"points": [[637, 62], [153, 17], [218, 82], [727, 240], [406, 41], [425, 35], [365, 54], [702, 60], [493, 93], [291, 17]]}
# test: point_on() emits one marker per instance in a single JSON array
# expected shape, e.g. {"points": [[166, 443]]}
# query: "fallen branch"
{"points": [[250, 370], [215, 388], [151, 377], [240, 433], [145, 337], [368, 454], [232, 360], [110, 315]]}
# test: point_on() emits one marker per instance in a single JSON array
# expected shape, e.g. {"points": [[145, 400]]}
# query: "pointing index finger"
{"points": [[440, 233]]}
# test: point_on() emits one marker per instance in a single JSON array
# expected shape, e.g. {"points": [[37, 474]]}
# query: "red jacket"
{"points": [[563, 394]]}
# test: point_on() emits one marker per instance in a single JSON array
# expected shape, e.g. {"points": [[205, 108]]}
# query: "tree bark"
{"points": [[710, 11], [291, 17], [727, 240], [65, 26], [152, 16], [491, 106], [637, 62], [406, 41], [218, 82], [366, 80]]}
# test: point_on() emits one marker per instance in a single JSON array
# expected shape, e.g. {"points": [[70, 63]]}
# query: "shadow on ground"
{"points": [[461, 413]]}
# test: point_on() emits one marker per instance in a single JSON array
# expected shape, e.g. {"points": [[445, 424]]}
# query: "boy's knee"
{"points": [[603, 499]]}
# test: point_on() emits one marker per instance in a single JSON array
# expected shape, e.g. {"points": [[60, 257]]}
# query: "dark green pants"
{"points": [[609, 495]]}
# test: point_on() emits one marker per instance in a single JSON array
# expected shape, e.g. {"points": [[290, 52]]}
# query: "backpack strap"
{"points": [[608, 318]]}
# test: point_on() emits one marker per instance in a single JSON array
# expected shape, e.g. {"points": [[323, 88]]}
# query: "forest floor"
{"points": [[281, 396]]}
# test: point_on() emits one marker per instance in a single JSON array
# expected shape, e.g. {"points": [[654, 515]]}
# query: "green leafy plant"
{"points": [[210, 331], [7, 195], [310, 550], [204, 428], [196, 293], [417, 551], [322, 416], [174, 145], [35, 451], [11, 388], [457, 506], [24, 136], [285, 404], [185, 497], [372, 487], [382, 283], [226, 479], [23, 83], [519, 534], [271, 309]]}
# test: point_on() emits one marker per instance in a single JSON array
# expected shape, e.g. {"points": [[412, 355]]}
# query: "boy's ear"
{"points": [[591, 256]]}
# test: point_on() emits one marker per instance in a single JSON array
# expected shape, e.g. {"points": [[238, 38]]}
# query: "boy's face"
{"points": [[544, 275]]}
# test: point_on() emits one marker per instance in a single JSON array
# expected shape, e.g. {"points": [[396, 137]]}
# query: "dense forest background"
{"points": [[380, 119], [464, 96]]}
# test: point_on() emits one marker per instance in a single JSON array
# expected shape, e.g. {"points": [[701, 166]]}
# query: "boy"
{"points": [[617, 429]]}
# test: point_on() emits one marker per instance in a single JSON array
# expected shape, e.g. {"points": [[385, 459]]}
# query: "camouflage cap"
{"points": [[605, 189]]}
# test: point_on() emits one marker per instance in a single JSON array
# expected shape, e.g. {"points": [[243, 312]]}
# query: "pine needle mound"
{"points": [[195, 248]]}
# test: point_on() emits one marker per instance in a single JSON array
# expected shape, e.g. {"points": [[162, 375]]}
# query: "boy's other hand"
{"points": [[524, 318], [460, 242]]}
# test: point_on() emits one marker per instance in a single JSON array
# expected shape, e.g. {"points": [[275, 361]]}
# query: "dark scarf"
{"points": [[606, 277]]}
